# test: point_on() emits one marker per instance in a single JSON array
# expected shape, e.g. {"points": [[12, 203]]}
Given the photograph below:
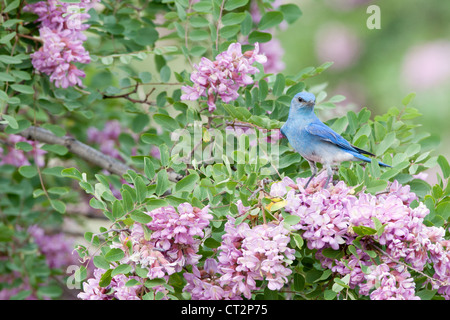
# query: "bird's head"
{"points": [[303, 100]]}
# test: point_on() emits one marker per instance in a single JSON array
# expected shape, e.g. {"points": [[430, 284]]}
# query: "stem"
{"points": [[186, 33], [433, 280], [218, 24]]}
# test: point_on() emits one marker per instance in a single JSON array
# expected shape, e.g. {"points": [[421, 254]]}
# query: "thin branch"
{"points": [[433, 280], [76, 147], [218, 24]]}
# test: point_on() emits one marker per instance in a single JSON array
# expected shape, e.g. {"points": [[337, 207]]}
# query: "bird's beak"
{"points": [[310, 104]]}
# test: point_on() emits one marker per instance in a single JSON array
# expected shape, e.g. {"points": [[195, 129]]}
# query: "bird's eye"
{"points": [[300, 99]]}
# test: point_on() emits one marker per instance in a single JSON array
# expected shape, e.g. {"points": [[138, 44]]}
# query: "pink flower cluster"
{"points": [[223, 77], [329, 216], [61, 33], [167, 244], [17, 157], [116, 290], [245, 256], [178, 234]]}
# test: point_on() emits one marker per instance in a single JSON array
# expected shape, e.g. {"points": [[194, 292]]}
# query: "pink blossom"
{"points": [[223, 77], [163, 246], [61, 33], [329, 218]]}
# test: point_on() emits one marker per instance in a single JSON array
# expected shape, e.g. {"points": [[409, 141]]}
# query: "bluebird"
{"points": [[315, 141]]}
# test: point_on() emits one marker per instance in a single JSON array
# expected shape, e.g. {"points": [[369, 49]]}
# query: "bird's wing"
{"points": [[327, 134]]}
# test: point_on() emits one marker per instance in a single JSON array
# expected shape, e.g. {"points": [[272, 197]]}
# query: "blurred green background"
{"points": [[377, 68]]}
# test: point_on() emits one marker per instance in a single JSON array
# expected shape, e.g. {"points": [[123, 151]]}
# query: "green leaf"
{"points": [[165, 73], [132, 283], [426, 294], [72, 173], [292, 220], [117, 209], [187, 183], [162, 182], [230, 5], [25, 146], [445, 167], [10, 59], [232, 18], [150, 138], [375, 186], [28, 171], [149, 169], [443, 209], [229, 31], [58, 190], [58, 205], [23, 88], [100, 262], [247, 24], [146, 36], [13, 5], [115, 254], [121, 269], [11, 121], [56, 148], [278, 86], [106, 278], [202, 6], [332, 254], [154, 282], [260, 37], [291, 12], [198, 35], [141, 189], [212, 243], [329, 294], [270, 19], [6, 77], [408, 98], [420, 187], [298, 240], [156, 203], [363, 230], [166, 122], [200, 22], [140, 216], [80, 274], [385, 144], [55, 129]]}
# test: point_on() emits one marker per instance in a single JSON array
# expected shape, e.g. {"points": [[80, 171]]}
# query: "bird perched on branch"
{"points": [[315, 141]]}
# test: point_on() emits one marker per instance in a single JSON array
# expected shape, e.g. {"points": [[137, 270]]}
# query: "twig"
{"points": [[127, 95], [433, 280], [110, 230], [218, 24], [76, 147]]}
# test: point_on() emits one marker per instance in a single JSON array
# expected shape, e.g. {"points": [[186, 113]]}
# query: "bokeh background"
{"points": [[377, 68]]}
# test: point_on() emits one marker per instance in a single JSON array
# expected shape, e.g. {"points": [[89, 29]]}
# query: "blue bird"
{"points": [[315, 141]]}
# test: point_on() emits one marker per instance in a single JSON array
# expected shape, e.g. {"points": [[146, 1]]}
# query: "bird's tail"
{"points": [[366, 159]]}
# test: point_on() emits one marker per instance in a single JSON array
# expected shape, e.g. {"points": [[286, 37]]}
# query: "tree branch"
{"points": [[76, 147]]}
